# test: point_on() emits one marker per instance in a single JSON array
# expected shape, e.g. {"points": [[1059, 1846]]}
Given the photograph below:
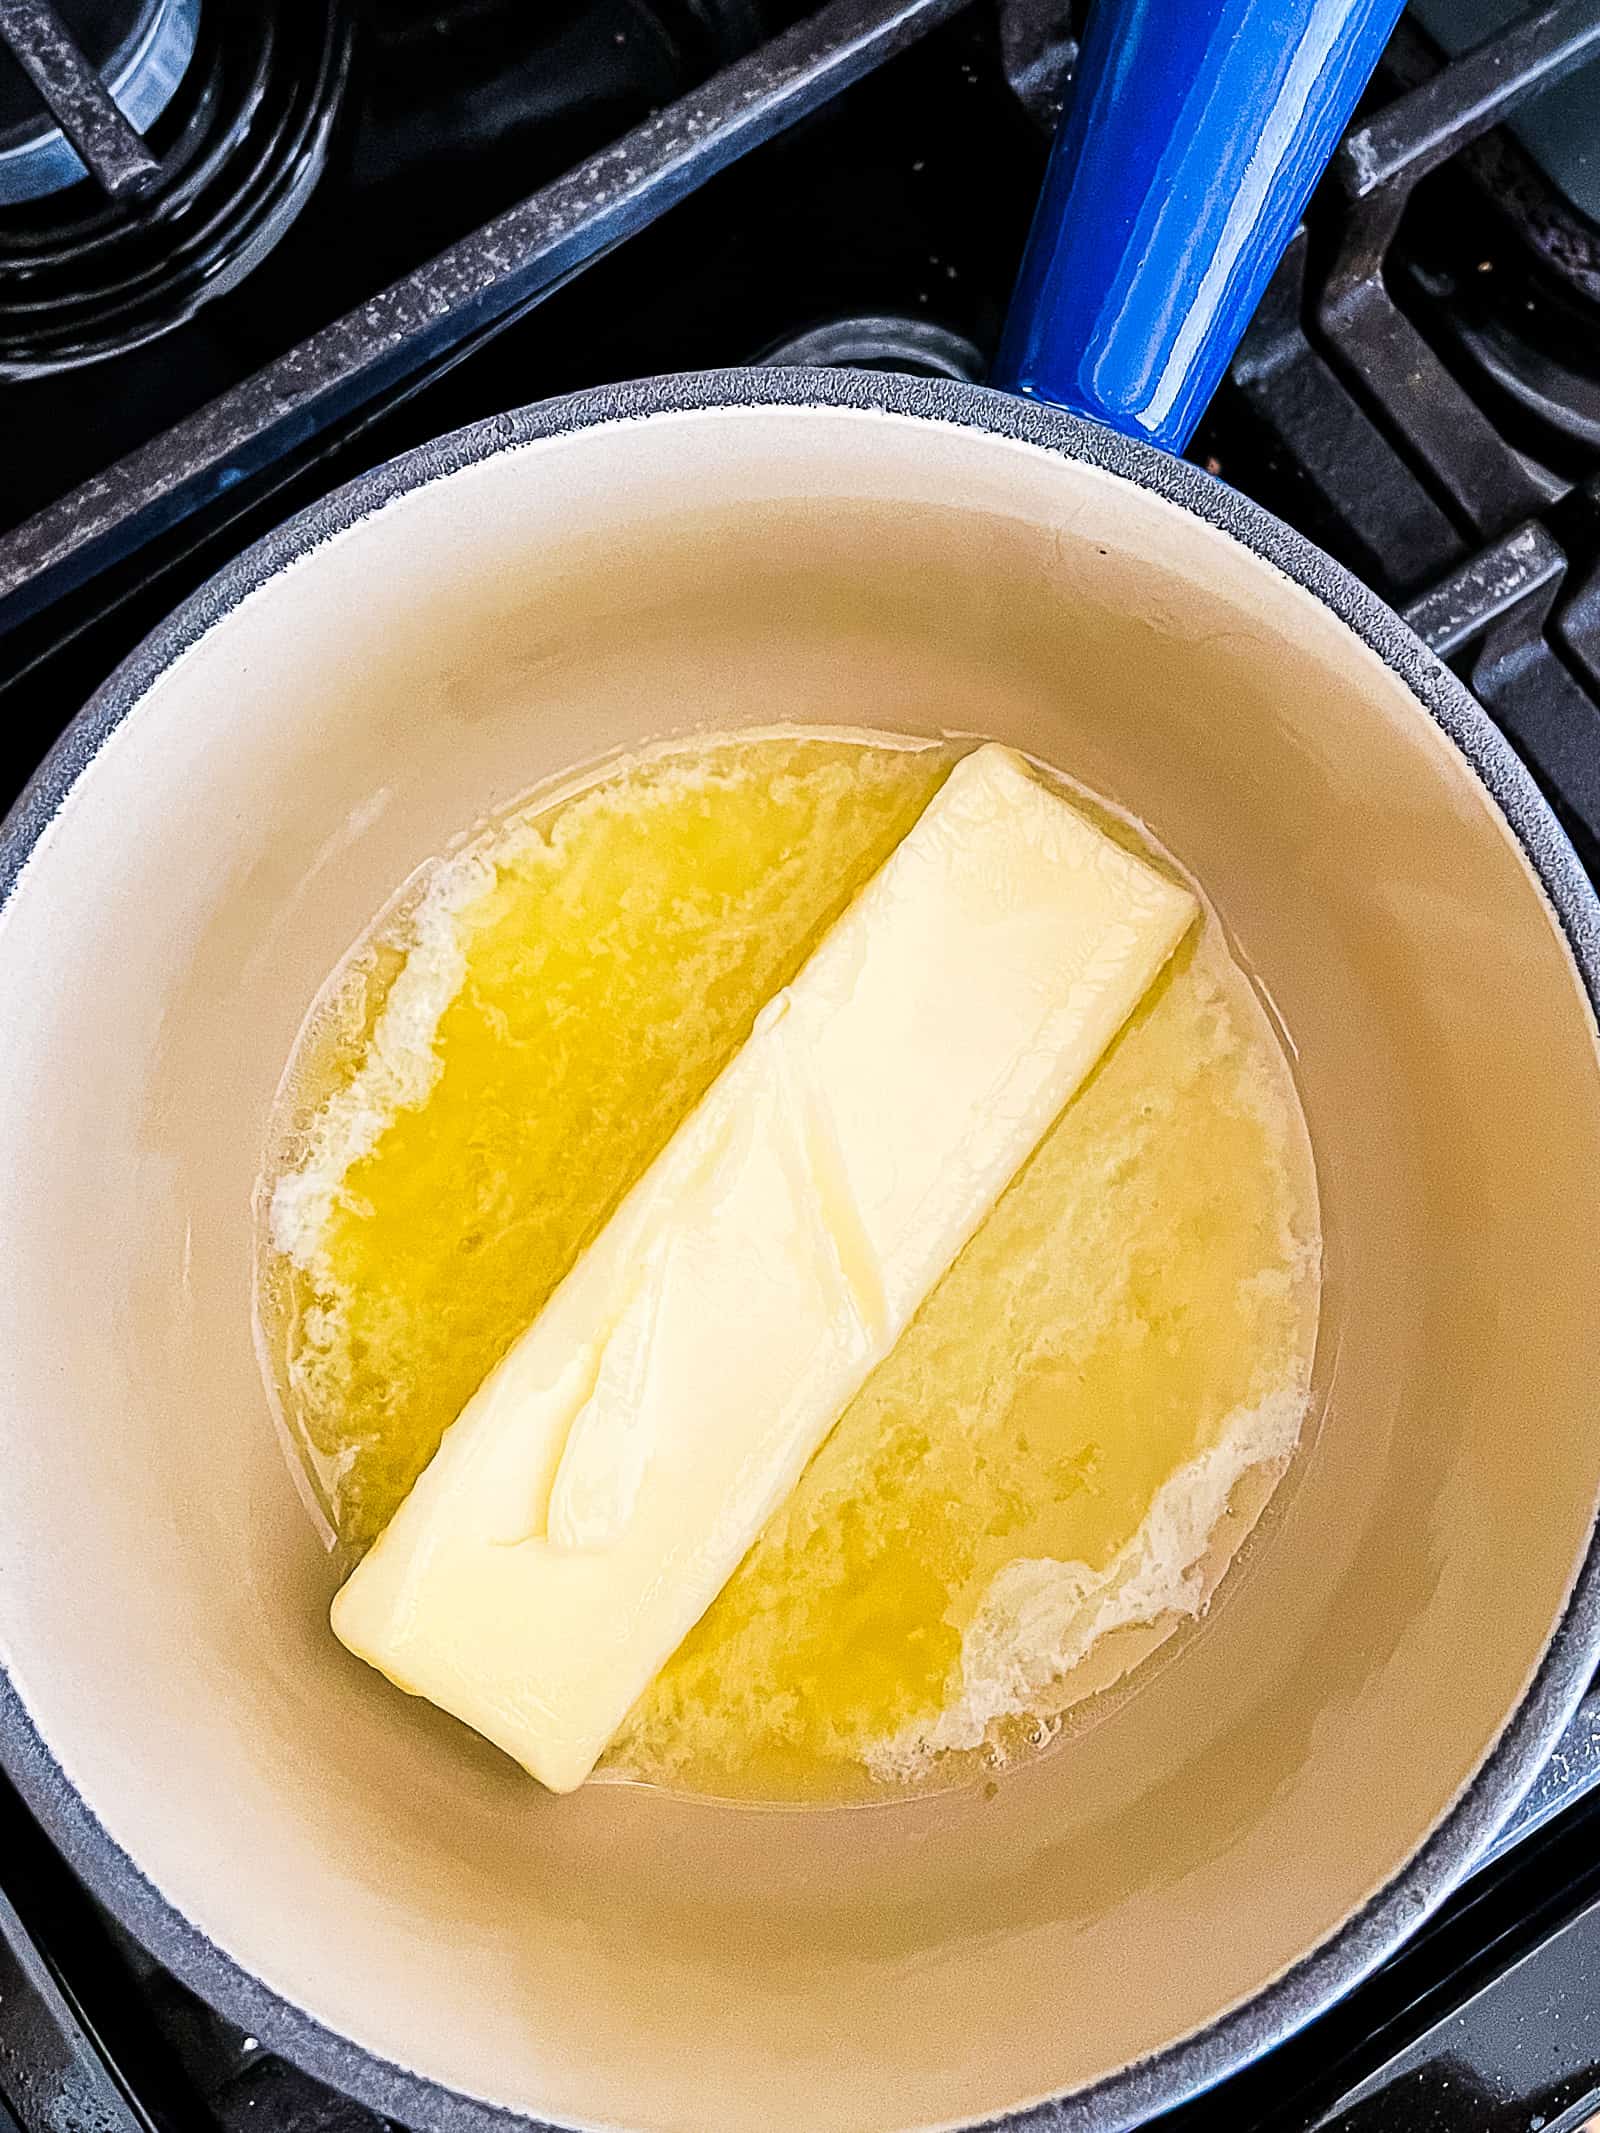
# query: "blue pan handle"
{"points": [[1195, 134]]}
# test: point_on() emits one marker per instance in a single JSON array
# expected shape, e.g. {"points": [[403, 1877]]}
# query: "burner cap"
{"points": [[139, 48], [920, 347]]}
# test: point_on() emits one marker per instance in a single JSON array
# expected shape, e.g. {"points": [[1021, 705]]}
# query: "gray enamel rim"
{"points": [[1184, 2069]]}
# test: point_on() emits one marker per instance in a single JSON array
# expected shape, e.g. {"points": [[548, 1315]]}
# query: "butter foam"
{"points": [[1041, 1618]]}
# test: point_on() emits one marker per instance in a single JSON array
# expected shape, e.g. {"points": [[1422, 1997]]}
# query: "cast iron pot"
{"points": [[1262, 1812]]}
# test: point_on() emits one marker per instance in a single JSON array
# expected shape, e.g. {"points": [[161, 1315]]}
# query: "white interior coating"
{"points": [[618, 1958]]}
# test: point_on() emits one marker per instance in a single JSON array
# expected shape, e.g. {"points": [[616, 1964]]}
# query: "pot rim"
{"points": [[1187, 2067]]}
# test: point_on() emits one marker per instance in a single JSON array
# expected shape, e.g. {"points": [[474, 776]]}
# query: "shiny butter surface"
{"points": [[603, 1484]]}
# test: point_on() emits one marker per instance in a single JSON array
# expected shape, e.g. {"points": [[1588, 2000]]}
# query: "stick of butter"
{"points": [[600, 1488]]}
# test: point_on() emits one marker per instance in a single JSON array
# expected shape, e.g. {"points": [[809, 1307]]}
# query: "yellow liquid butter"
{"points": [[1130, 1327]]}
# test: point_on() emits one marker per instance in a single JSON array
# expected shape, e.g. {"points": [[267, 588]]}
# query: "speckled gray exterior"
{"points": [[1322, 1976]]}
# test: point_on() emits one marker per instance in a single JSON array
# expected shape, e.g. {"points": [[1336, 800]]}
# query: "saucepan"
{"points": [[1258, 1816]]}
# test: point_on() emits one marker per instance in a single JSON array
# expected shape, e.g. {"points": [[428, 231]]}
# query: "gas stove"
{"points": [[248, 251]]}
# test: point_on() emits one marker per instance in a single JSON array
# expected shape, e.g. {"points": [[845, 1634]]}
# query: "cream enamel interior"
{"points": [[619, 1958]]}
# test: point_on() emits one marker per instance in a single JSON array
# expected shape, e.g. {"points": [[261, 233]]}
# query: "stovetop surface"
{"points": [[1420, 393]]}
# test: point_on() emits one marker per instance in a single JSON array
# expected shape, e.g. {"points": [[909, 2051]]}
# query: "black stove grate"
{"points": [[362, 362], [1493, 550], [1420, 393]]}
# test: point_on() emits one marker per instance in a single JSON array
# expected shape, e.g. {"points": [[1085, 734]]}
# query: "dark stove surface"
{"points": [[1420, 393]]}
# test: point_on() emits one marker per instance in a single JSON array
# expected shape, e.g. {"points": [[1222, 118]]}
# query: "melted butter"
{"points": [[1148, 1279], [627, 940]]}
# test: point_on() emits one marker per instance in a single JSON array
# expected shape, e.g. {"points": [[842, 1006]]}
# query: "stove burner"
{"points": [[239, 143], [1510, 289], [1558, 131], [138, 51], [918, 346]]}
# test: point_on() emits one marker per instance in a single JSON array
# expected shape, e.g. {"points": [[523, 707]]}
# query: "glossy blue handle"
{"points": [[1196, 131]]}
